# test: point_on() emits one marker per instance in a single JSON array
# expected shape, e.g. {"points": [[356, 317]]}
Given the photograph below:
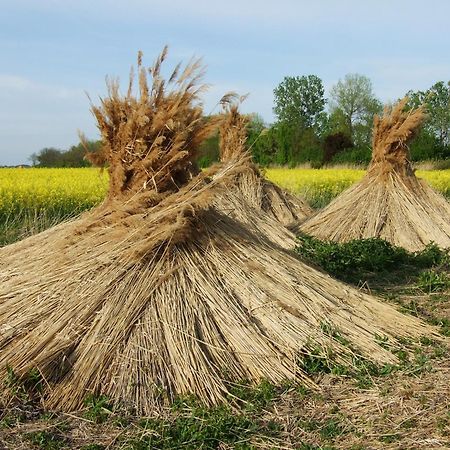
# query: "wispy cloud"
{"points": [[17, 85]]}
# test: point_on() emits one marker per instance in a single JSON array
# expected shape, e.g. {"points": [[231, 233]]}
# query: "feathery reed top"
{"points": [[150, 141]]}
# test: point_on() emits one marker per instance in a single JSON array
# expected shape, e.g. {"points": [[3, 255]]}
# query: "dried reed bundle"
{"points": [[253, 188], [157, 293], [390, 202]]}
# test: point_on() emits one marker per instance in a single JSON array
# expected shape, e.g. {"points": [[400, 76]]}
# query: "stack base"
{"points": [[406, 212]]}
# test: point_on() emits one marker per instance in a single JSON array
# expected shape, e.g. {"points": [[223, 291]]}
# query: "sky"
{"points": [[54, 53]]}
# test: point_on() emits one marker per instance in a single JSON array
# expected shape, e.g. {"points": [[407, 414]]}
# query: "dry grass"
{"points": [[158, 292], [251, 186], [390, 202]]}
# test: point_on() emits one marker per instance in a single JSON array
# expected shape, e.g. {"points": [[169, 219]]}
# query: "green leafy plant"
{"points": [[46, 440], [356, 260], [433, 281], [98, 408]]}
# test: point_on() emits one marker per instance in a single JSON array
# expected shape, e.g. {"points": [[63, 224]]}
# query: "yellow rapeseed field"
{"points": [[319, 186], [62, 191], [65, 191]]}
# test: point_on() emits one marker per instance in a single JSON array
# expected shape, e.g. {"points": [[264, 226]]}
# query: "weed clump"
{"points": [[361, 259]]}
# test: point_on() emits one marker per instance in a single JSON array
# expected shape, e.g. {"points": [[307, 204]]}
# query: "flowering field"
{"points": [[59, 191], [62, 192], [319, 186]]}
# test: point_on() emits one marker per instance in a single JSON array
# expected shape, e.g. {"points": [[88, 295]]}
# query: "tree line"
{"points": [[73, 157], [310, 128]]}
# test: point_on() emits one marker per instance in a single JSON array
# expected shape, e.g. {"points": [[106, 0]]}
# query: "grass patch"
{"points": [[46, 440], [367, 259], [204, 428], [431, 281]]}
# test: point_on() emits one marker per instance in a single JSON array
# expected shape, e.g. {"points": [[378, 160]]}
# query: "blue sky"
{"points": [[54, 51]]}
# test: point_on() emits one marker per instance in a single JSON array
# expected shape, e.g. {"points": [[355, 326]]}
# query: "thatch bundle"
{"points": [[158, 293], [257, 191], [390, 202]]}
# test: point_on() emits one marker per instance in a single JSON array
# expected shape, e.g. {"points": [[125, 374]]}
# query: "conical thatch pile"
{"points": [[390, 202], [156, 293], [258, 192]]}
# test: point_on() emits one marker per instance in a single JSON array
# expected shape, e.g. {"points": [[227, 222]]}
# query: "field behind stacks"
{"points": [[59, 193], [357, 407]]}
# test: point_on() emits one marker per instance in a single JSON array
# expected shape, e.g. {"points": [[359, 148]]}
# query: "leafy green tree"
{"points": [[73, 157], [49, 157], [300, 101], [437, 102], [352, 107]]}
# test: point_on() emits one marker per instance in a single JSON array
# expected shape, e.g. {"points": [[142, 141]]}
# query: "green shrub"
{"points": [[346, 259], [352, 260], [357, 156]]}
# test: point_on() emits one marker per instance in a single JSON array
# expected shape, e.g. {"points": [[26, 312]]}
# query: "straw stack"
{"points": [[390, 202]]}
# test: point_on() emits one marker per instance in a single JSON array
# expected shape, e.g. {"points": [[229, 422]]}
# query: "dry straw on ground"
{"points": [[259, 193], [157, 292], [390, 202]]}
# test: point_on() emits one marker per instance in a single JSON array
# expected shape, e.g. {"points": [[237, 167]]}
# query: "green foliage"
{"points": [[317, 360], [98, 408], [253, 397], [356, 155], [353, 105], [354, 260], [433, 281], [437, 103], [425, 146], [73, 157], [431, 256], [300, 101], [201, 428], [344, 260], [191, 425], [24, 388], [46, 440], [295, 138], [262, 143]]}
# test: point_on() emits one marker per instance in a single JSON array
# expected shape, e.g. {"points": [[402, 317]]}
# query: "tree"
{"points": [[49, 157], [74, 157], [34, 159], [300, 101], [354, 103], [334, 144], [437, 102]]}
